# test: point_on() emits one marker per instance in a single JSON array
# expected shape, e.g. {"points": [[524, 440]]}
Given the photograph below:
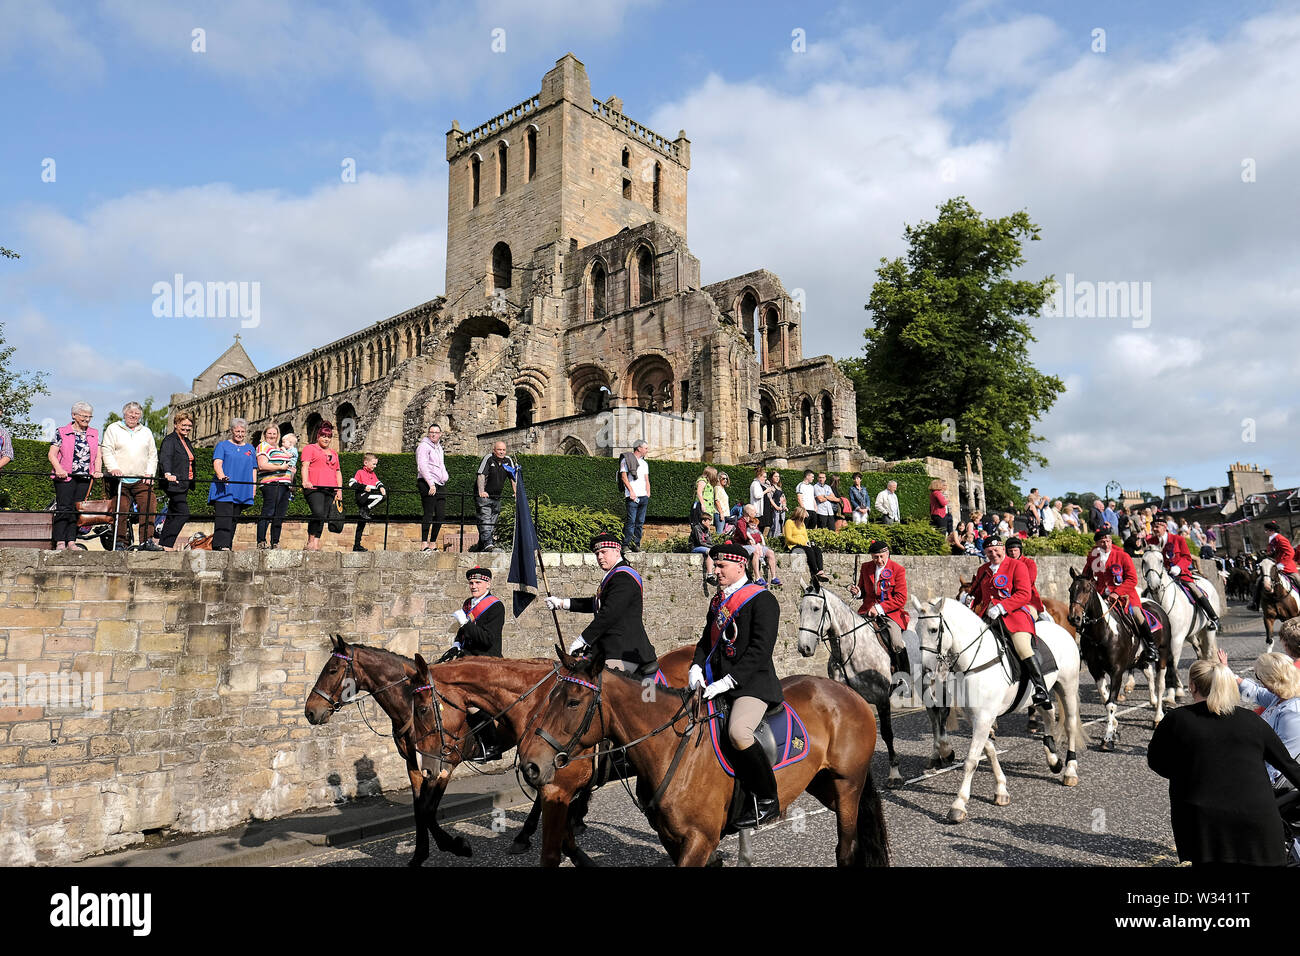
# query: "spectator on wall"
{"points": [[131, 458], [176, 460], [6, 443], [235, 463], [1050, 514], [826, 500], [634, 476], [758, 493], [887, 504], [939, 516], [322, 480], [721, 502], [702, 509], [77, 461], [494, 471], [369, 492], [859, 500], [776, 505], [275, 471], [805, 493], [431, 469]]}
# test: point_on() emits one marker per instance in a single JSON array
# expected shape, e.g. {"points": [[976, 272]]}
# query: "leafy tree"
{"points": [[155, 419], [946, 362], [17, 389], [9, 253]]}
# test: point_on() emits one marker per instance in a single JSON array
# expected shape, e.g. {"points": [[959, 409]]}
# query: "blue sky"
{"points": [[225, 164]]}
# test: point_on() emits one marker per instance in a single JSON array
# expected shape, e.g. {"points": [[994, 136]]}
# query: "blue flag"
{"points": [[523, 560]]}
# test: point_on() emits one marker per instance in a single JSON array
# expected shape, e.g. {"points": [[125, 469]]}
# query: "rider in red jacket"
{"points": [[1001, 589], [1178, 562], [1115, 574], [1281, 551]]}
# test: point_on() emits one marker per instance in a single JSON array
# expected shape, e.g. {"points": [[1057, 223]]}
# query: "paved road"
{"points": [[1118, 815]]}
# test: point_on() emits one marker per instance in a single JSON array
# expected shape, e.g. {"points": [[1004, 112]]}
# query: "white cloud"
{"points": [[69, 48], [1131, 166]]}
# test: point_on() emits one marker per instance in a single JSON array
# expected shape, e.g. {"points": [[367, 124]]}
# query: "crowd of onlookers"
{"points": [[1040, 516]]}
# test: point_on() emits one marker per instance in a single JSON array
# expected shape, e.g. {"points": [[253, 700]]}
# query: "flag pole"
{"points": [[555, 615]]}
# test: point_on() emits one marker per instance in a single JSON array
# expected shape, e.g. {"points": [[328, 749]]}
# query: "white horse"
{"points": [[858, 659], [957, 646], [1186, 620]]}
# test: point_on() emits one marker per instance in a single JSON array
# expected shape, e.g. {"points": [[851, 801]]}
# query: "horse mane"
{"points": [[385, 652], [584, 670]]}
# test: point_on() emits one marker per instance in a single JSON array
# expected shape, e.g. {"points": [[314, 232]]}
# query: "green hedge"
{"points": [[911, 537], [1061, 541], [579, 481]]}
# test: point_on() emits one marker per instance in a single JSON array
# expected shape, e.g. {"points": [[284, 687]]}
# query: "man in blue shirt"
{"points": [[1111, 517]]}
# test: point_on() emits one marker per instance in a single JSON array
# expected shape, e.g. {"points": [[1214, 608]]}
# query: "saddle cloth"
{"points": [[1046, 663], [781, 734]]}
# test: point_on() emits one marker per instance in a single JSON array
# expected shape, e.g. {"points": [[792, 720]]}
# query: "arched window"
{"points": [[805, 422], [345, 424], [523, 408], [230, 378], [502, 266], [767, 428], [828, 418], [627, 157], [595, 399], [313, 423], [530, 145], [596, 290], [772, 322], [501, 168], [652, 383], [475, 179], [658, 169], [748, 311], [645, 273]]}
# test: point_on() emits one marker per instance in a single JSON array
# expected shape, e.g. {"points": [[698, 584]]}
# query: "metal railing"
{"points": [[132, 515]]}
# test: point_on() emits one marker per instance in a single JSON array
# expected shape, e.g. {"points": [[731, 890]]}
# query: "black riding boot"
{"points": [[489, 748], [1208, 609], [1149, 653], [1041, 697], [753, 770]]}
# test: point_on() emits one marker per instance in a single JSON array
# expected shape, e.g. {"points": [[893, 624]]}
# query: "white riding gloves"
{"points": [[994, 612], [719, 687], [695, 677], [578, 646], [1175, 570], [461, 618], [556, 603]]}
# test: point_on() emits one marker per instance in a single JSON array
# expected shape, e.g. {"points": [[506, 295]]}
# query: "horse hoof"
{"points": [[1070, 781], [417, 861], [893, 783], [1120, 698], [460, 846], [715, 859], [1002, 799], [932, 764], [578, 828], [956, 816], [1108, 745], [517, 847], [1056, 767]]}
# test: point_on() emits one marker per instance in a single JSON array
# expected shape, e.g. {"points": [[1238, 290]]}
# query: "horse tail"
{"points": [[1075, 725], [873, 840]]}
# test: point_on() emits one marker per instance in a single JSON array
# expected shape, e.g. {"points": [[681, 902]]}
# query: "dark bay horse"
{"points": [[693, 791], [494, 686], [355, 668], [1279, 600], [1111, 650]]}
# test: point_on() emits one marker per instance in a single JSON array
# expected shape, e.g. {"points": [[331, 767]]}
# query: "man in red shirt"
{"points": [[1282, 552], [1116, 575], [882, 585], [1178, 562], [1001, 589]]}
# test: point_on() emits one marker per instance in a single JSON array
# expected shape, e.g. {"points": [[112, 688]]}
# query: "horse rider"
{"points": [[1015, 549], [733, 660], [1178, 562], [1001, 589], [481, 619], [1282, 552], [1116, 576], [617, 631], [882, 585]]}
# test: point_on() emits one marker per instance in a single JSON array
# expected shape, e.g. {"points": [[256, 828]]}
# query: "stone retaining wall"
{"points": [[206, 660]]}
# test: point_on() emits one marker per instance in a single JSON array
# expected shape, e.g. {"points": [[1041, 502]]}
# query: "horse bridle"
{"points": [[833, 641], [948, 661], [350, 674]]}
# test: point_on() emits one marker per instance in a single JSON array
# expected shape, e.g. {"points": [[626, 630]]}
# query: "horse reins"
{"points": [[836, 649]]}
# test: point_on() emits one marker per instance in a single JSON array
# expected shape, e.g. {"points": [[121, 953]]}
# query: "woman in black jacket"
{"points": [[1213, 752], [176, 462]]}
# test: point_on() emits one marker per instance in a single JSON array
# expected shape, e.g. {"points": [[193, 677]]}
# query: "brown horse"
{"points": [[1279, 600], [682, 788], [494, 686], [355, 668]]}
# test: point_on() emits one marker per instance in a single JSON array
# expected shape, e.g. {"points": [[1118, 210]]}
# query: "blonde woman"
{"points": [[275, 471], [1214, 755], [1276, 688], [702, 508], [939, 516], [721, 502]]}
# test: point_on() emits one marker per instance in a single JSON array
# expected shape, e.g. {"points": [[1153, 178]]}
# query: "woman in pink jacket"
{"points": [[77, 461]]}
